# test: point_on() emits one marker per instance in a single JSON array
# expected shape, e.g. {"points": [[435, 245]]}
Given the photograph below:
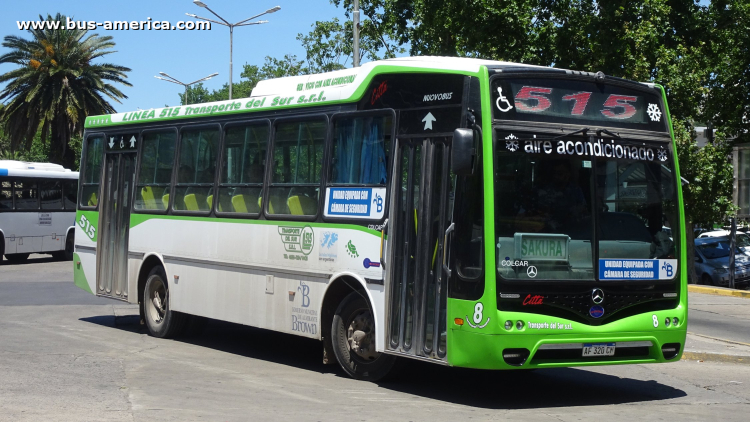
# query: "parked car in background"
{"points": [[712, 262], [742, 240]]}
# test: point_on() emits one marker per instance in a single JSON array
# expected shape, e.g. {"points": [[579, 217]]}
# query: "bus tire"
{"points": [[67, 253], [161, 321], [353, 337], [17, 258], [69, 246]]}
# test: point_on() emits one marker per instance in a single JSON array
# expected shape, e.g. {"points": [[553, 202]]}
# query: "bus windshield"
{"points": [[566, 208]]}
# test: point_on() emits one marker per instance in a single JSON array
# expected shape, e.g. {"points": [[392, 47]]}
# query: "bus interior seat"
{"points": [[302, 205], [193, 201], [149, 197], [240, 204], [165, 200], [92, 200], [277, 204]]}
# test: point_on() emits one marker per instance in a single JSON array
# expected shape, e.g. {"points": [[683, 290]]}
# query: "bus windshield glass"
{"points": [[581, 208], [578, 102]]}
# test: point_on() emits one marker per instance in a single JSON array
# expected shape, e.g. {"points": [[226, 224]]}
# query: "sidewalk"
{"points": [[704, 348], [720, 291], [718, 318]]}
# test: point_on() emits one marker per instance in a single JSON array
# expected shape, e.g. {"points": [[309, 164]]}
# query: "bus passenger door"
{"points": [[114, 222], [419, 216]]}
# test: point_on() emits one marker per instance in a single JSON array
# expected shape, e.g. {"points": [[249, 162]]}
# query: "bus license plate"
{"points": [[598, 349]]}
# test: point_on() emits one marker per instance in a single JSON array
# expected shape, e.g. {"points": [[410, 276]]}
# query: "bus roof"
{"points": [[28, 169], [330, 88], [325, 88]]}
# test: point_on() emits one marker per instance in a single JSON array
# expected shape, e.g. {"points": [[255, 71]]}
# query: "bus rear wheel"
{"points": [[353, 337], [161, 321]]}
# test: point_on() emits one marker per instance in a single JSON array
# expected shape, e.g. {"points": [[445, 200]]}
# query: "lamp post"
{"points": [[175, 81], [231, 27]]}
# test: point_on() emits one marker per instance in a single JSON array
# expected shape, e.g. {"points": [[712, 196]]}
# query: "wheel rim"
{"points": [[156, 304], [360, 336]]}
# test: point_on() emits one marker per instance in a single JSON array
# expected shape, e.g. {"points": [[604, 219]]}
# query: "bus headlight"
{"points": [[508, 325], [519, 325]]}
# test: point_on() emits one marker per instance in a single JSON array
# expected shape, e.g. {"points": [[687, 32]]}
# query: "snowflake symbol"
{"points": [[511, 143], [662, 154], [653, 112]]}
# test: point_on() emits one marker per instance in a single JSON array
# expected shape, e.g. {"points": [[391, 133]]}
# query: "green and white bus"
{"points": [[464, 212]]}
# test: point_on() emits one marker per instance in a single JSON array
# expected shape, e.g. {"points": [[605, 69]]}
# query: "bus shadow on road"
{"points": [[543, 388], [34, 259]]}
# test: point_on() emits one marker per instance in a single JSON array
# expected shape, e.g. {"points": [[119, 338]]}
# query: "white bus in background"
{"points": [[37, 210]]}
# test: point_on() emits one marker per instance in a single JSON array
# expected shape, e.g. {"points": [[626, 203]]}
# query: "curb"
{"points": [[720, 291], [715, 357]]}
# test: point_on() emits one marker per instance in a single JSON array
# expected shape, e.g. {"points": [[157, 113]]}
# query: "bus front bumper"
{"points": [[522, 351]]}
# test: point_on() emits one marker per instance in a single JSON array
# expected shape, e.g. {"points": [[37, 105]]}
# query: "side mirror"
{"points": [[462, 152]]}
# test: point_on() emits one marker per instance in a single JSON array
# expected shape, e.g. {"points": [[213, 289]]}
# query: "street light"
{"points": [[175, 81], [231, 26]]}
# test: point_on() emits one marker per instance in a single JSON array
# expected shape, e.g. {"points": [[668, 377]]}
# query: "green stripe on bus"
{"points": [[79, 278], [136, 219]]}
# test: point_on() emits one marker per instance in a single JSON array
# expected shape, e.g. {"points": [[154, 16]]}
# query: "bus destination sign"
{"points": [[577, 102]]}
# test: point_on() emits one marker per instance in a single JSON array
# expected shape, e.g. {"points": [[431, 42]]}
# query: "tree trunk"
{"points": [[60, 151], [690, 253]]}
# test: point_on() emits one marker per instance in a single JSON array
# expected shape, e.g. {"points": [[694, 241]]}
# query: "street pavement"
{"points": [[66, 355], [724, 317]]}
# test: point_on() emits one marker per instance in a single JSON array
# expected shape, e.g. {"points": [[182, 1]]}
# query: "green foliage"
{"points": [[728, 47], [250, 76], [56, 85], [38, 152], [708, 170]]}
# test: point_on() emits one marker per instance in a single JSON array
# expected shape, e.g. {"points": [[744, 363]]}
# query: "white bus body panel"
{"points": [[36, 231], [255, 272]]}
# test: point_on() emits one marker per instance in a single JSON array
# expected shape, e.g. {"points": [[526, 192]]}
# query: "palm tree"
{"points": [[57, 86]]}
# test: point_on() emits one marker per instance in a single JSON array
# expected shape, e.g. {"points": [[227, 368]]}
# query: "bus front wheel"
{"points": [[353, 337], [161, 321]]}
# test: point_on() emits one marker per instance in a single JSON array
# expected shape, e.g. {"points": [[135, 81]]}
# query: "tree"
{"points": [[56, 85], [727, 106], [249, 78]]}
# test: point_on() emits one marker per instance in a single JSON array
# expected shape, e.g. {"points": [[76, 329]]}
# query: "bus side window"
{"points": [[195, 169], [6, 195], [27, 194], [242, 169], [155, 172], [50, 192], [296, 169], [92, 171], [361, 146], [70, 193]]}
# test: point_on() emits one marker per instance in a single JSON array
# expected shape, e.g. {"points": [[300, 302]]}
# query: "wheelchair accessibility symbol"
{"points": [[502, 98]]}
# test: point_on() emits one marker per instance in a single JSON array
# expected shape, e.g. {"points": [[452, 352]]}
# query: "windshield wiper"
{"points": [[583, 131], [600, 131]]}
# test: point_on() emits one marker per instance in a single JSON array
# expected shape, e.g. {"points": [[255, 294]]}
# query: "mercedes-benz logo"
{"points": [[597, 296], [531, 271]]}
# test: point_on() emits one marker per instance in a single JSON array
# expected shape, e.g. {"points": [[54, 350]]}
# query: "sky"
{"points": [[185, 55]]}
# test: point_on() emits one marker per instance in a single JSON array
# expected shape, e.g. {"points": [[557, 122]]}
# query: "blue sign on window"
{"points": [[637, 269], [349, 202]]}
